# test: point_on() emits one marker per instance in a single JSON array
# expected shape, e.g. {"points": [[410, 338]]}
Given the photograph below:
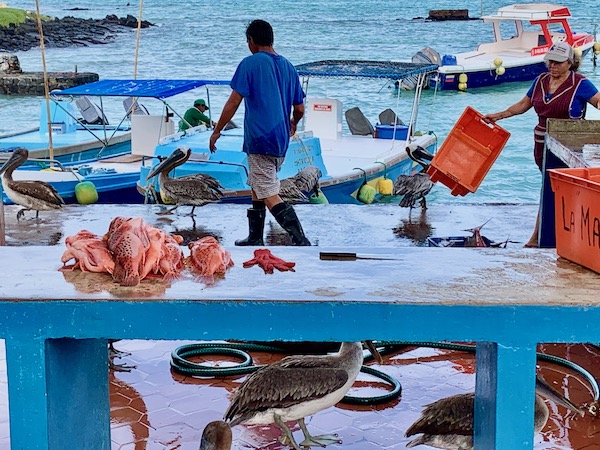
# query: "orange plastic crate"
{"points": [[467, 154], [577, 215]]}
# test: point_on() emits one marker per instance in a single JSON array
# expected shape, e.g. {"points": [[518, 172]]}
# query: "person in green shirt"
{"points": [[195, 116]]}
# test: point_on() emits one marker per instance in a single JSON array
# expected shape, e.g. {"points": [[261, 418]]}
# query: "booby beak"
{"points": [[173, 160], [549, 392], [373, 350]]}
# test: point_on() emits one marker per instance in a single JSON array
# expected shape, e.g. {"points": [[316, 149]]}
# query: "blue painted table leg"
{"points": [[504, 397], [58, 394]]}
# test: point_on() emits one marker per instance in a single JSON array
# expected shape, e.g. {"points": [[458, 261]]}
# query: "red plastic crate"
{"points": [[577, 215], [467, 154]]}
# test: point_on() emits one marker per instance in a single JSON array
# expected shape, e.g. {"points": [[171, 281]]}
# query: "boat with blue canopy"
{"points": [[106, 155], [347, 159]]}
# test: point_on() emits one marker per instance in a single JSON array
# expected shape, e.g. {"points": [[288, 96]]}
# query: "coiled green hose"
{"points": [[180, 364]]}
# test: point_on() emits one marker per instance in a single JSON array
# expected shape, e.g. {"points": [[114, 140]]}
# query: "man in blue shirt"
{"points": [[274, 102]]}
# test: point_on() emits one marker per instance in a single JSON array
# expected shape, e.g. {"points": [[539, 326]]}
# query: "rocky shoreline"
{"points": [[66, 32]]}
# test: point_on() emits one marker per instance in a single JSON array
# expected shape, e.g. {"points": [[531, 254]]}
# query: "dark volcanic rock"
{"points": [[66, 32]]}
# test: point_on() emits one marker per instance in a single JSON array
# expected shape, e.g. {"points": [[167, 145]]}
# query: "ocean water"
{"points": [[196, 39]]}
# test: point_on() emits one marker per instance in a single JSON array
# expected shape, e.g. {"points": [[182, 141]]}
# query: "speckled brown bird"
{"points": [[448, 423], [31, 194], [216, 436], [194, 190], [296, 387]]}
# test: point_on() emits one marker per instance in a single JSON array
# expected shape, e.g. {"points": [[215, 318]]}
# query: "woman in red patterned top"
{"points": [[560, 93]]}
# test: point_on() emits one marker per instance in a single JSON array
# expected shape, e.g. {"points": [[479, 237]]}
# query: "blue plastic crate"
{"points": [[387, 131]]}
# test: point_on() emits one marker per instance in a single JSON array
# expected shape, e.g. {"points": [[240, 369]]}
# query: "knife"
{"points": [[347, 256]]}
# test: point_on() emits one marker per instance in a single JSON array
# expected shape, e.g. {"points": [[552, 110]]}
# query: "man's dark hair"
{"points": [[261, 33]]}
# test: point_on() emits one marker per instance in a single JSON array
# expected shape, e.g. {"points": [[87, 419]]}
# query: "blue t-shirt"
{"points": [[585, 91], [270, 86]]}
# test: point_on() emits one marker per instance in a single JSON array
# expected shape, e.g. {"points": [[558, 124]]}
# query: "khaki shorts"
{"points": [[263, 174]]}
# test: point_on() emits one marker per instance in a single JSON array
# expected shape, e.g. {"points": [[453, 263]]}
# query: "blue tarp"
{"points": [[138, 88], [391, 70]]}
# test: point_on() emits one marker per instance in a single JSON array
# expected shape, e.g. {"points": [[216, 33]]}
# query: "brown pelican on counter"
{"points": [[292, 190], [416, 186], [32, 194], [296, 387], [448, 423], [193, 190], [216, 436]]}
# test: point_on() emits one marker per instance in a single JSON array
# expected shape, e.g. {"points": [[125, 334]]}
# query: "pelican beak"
{"points": [[549, 392], [373, 350], [168, 163]]}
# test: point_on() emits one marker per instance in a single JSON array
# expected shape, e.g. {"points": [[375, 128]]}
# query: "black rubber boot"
{"points": [[288, 220], [256, 226]]}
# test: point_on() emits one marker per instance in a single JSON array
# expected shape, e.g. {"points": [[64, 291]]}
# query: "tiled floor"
{"points": [[155, 408]]}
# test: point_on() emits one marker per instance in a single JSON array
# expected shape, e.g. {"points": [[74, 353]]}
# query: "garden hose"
{"points": [[180, 364], [392, 346]]}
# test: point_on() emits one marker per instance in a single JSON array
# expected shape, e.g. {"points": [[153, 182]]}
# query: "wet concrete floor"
{"points": [[153, 407]]}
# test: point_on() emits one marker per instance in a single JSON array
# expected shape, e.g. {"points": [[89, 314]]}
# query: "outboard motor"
{"points": [[424, 56]]}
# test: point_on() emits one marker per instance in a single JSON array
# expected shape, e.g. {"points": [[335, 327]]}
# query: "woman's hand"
{"points": [[492, 118]]}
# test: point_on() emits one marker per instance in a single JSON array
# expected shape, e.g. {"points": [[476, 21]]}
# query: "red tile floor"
{"points": [[155, 408]]}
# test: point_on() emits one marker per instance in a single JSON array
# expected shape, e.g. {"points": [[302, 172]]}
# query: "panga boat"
{"points": [[523, 33], [346, 161], [108, 156]]}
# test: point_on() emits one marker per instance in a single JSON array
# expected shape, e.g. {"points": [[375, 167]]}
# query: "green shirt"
{"points": [[194, 117]]}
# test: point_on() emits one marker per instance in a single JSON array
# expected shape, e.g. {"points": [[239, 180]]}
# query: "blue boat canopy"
{"points": [[138, 88], [364, 69]]}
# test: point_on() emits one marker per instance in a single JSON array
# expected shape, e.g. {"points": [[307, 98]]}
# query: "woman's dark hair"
{"points": [[261, 33], [576, 63]]}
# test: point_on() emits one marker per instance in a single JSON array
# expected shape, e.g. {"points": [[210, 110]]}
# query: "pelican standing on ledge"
{"points": [[31, 194], [416, 186], [194, 190], [296, 387], [448, 423]]}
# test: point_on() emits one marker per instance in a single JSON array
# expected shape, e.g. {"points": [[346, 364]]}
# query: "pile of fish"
{"points": [[207, 258], [132, 250]]}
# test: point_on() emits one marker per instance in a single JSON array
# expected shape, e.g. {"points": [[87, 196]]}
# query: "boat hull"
{"points": [[340, 188], [447, 79]]}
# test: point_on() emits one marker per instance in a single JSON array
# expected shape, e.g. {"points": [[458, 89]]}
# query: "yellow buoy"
{"points": [[385, 186], [498, 62], [86, 193], [463, 78], [577, 52], [500, 70], [462, 86], [597, 48]]}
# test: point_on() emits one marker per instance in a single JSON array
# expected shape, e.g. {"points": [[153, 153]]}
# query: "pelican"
{"points": [[448, 423], [216, 436], [292, 190], [296, 387], [31, 194], [416, 186], [195, 190]]}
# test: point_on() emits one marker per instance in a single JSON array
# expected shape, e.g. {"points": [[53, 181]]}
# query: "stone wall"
{"points": [[32, 83], [66, 32]]}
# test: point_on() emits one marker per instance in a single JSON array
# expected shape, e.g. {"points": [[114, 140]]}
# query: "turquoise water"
{"points": [[196, 39]]}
